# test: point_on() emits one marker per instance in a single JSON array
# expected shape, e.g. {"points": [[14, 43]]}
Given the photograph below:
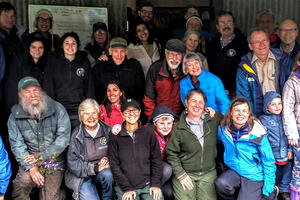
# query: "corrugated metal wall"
{"points": [[117, 12], [245, 10]]}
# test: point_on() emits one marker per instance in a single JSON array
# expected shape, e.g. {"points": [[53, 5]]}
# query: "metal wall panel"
{"points": [[117, 12], [245, 10]]}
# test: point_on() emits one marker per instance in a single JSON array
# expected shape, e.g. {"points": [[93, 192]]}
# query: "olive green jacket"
{"points": [[184, 152]]}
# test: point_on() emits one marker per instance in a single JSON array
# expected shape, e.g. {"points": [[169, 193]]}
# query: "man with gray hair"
{"points": [[262, 70], [163, 78], [39, 129]]}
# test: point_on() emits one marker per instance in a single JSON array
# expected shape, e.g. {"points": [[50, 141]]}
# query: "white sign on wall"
{"points": [[70, 18]]}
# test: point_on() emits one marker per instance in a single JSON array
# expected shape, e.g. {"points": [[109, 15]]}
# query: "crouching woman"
{"points": [[87, 160], [248, 154]]}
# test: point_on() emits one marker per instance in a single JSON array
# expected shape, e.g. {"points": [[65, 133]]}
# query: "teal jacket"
{"points": [[53, 133], [184, 152], [250, 156]]}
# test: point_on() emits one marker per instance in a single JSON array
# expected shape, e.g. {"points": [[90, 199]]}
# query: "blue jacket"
{"points": [[250, 156], [5, 169], [248, 85], [212, 87], [274, 124]]}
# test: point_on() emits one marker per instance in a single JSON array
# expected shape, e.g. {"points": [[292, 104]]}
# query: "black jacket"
{"points": [[69, 82], [129, 73], [224, 62], [135, 163], [19, 68]]}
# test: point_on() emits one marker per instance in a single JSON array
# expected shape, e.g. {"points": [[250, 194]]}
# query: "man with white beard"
{"points": [[163, 77], [40, 126]]}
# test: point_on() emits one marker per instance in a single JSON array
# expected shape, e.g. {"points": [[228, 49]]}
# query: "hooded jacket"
{"points": [[248, 85], [291, 106], [69, 82], [274, 124], [250, 156]]}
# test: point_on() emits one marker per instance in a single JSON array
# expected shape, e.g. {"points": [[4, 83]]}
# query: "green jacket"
{"points": [[184, 151]]}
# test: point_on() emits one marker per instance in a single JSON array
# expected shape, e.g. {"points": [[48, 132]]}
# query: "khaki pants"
{"points": [[140, 193], [204, 188], [23, 184]]}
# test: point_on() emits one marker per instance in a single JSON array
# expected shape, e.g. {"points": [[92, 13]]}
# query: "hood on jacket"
{"points": [[269, 96], [160, 110]]}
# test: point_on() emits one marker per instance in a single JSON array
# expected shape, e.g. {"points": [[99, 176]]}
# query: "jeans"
{"points": [[88, 190], [284, 176], [166, 181]]}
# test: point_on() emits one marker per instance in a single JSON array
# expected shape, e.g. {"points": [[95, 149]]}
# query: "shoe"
{"points": [[285, 196]]}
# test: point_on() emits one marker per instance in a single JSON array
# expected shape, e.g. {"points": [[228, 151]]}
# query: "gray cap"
{"points": [[175, 45], [26, 82], [118, 42]]}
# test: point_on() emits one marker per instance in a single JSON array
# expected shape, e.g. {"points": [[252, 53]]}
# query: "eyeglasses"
{"points": [[174, 55], [147, 12], [225, 23], [260, 42], [128, 112], [100, 32], [288, 30], [44, 20]]}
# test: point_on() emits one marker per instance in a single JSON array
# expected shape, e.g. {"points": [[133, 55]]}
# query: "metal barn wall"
{"points": [[245, 10], [117, 12]]}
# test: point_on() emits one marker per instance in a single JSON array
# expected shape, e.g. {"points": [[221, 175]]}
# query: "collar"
{"points": [[191, 122], [224, 44], [270, 56], [291, 49]]}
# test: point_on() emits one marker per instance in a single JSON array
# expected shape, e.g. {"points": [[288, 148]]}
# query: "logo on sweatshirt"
{"points": [[231, 52], [103, 141], [80, 72]]}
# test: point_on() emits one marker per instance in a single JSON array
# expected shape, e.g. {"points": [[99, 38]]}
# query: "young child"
{"points": [[272, 119], [291, 122]]}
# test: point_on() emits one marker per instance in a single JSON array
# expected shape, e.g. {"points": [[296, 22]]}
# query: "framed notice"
{"points": [[70, 18]]}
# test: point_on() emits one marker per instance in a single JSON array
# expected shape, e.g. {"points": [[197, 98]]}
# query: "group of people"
{"points": [[189, 118]]}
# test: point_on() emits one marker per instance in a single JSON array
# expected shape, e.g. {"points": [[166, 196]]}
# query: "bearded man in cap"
{"points": [[163, 78], [37, 126]]}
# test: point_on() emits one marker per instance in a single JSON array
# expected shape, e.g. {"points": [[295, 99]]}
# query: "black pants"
{"points": [[230, 185]]}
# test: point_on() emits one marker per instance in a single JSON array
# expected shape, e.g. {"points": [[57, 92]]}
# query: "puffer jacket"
{"points": [[54, 133], [212, 87], [291, 106], [250, 156], [5, 169], [273, 123], [248, 85], [79, 168]]}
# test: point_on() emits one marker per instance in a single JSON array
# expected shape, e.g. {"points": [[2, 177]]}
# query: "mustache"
{"points": [[226, 28]]}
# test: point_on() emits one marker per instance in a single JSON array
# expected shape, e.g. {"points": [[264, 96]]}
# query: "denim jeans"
{"points": [[88, 190], [284, 176]]}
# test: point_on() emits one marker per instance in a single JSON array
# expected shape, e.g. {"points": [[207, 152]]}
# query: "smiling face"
{"points": [[70, 46], [90, 118], [266, 22], [240, 115], [100, 36], [164, 126], [131, 115], [43, 22], [195, 106], [31, 95], [275, 106], [7, 20], [288, 31], [193, 67], [194, 24], [191, 12], [142, 32], [260, 44], [192, 42], [36, 50], [173, 58], [113, 94], [146, 13], [225, 25], [118, 54]]}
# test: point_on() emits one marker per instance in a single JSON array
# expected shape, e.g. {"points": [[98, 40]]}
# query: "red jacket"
{"points": [[162, 89], [115, 115]]}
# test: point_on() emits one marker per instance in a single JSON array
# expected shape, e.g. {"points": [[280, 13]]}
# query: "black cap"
{"points": [[130, 102], [99, 25]]}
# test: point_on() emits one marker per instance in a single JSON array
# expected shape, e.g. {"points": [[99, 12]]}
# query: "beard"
{"points": [[34, 111], [171, 66]]}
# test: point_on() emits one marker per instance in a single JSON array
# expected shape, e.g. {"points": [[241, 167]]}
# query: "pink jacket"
{"points": [[162, 143], [115, 115]]}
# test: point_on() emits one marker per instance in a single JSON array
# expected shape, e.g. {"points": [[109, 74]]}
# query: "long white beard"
{"points": [[173, 66], [35, 111]]}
